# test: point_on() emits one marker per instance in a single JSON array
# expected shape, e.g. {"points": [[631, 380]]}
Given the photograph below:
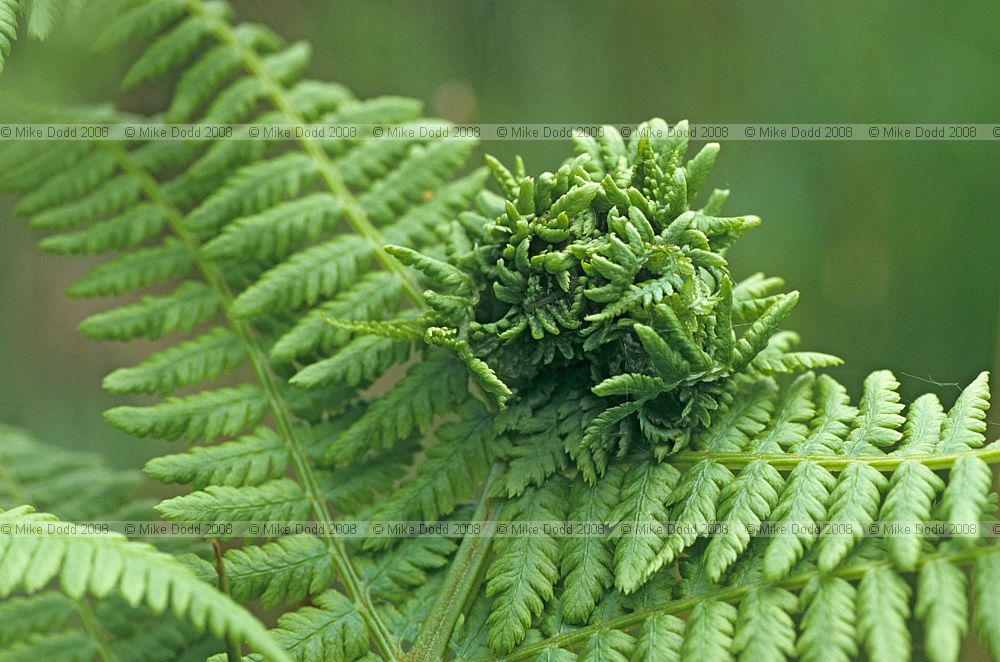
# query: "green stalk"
{"points": [[788, 461], [462, 581], [89, 621]]}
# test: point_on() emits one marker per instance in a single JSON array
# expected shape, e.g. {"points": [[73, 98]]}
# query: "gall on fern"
{"points": [[573, 348]]}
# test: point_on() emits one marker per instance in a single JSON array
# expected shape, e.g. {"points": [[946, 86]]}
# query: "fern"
{"points": [[140, 574], [374, 335]]}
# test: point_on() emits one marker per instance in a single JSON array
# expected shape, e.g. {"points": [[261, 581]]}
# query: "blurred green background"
{"points": [[892, 244]]}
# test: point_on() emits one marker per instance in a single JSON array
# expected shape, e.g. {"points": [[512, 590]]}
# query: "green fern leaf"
{"points": [[317, 272], [709, 632], [764, 629], [755, 338], [522, 576], [134, 227], [361, 361], [744, 503], [451, 472], [660, 639], [645, 489], [883, 610], [368, 299], [803, 502], [253, 189], [789, 425], [276, 500], [913, 489], [43, 612], [922, 431], [742, 416], [607, 646], [331, 630], [693, 505], [131, 271], [250, 460], [399, 571], [175, 47], [154, 317], [285, 570], [99, 565], [855, 501], [206, 415], [833, 419], [587, 560], [276, 231], [878, 416], [943, 607], [966, 422], [985, 575], [828, 629], [205, 357], [966, 500]]}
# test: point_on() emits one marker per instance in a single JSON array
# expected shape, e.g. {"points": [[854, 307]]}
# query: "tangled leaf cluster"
{"points": [[602, 273]]}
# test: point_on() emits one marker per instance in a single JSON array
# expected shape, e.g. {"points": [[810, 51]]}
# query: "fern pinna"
{"points": [[571, 348]]}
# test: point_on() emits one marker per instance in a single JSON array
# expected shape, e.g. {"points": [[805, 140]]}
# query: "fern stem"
{"points": [[463, 579], [727, 594], [352, 582], [355, 214], [89, 621], [232, 645], [788, 461]]}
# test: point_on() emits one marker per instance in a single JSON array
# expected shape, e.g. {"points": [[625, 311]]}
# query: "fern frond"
{"points": [[744, 503], [966, 421], [522, 577], [828, 621], [883, 609], [330, 629], [708, 634], [587, 560], [135, 270], [285, 570], [275, 500], [803, 501], [306, 277], [206, 415], [100, 565], [154, 316], [644, 494], [764, 626], [361, 361], [77, 485], [368, 299], [206, 357], [854, 500], [452, 470], [250, 460], [879, 417], [913, 489], [943, 606], [661, 638]]}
